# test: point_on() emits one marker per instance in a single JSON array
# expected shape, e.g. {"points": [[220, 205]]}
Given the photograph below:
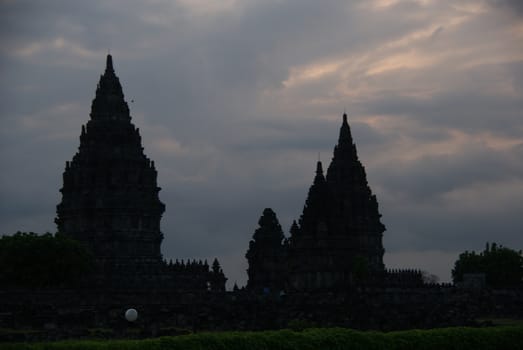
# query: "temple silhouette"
{"points": [[110, 203], [337, 242]]}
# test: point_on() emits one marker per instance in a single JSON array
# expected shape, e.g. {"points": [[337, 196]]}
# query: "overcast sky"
{"points": [[235, 99]]}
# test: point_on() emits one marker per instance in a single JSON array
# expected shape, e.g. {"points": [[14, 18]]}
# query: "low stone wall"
{"points": [[63, 313]]}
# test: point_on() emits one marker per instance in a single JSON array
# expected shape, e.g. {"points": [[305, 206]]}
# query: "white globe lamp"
{"points": [[131, 315]]}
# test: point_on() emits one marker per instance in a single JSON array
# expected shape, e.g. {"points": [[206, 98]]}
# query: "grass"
{"points": [[505, 337], [501, 321]]}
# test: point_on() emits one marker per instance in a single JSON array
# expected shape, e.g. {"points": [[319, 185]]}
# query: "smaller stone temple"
{"points": [[266, 255], [338, 240], [110, 201]]}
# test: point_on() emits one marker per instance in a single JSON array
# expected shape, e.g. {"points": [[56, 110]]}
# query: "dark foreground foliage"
{"points": [[322, 339], [31, 260]]}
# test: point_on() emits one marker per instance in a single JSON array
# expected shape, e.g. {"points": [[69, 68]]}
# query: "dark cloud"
{"points": [[434, 176], [466, 111], [515, 6]]}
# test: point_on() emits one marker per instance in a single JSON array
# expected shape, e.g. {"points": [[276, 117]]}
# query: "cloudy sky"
{"points": [[235, 99]]}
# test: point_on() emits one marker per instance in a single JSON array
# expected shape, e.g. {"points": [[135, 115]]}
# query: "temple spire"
{"points": [[109, 102]]}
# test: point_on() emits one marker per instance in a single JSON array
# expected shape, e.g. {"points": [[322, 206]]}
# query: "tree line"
{"points": [[55, 260]]}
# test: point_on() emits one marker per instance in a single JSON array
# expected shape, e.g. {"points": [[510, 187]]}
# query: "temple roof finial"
{"points": [[319, 168], [345, 134], [109, 64]]}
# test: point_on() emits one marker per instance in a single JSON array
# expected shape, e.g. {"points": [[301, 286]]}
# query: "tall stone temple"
{"points": [[338, 239], [110, 200]]}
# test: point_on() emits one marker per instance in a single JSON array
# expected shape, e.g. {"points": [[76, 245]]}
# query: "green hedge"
{"points": [[325, 339]]}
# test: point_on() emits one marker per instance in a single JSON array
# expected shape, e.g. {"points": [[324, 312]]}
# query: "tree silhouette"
{"points": [[503, 267], [31, 260]]}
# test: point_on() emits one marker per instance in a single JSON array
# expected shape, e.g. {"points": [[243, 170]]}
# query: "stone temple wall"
{"points": [[63, 312]]}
